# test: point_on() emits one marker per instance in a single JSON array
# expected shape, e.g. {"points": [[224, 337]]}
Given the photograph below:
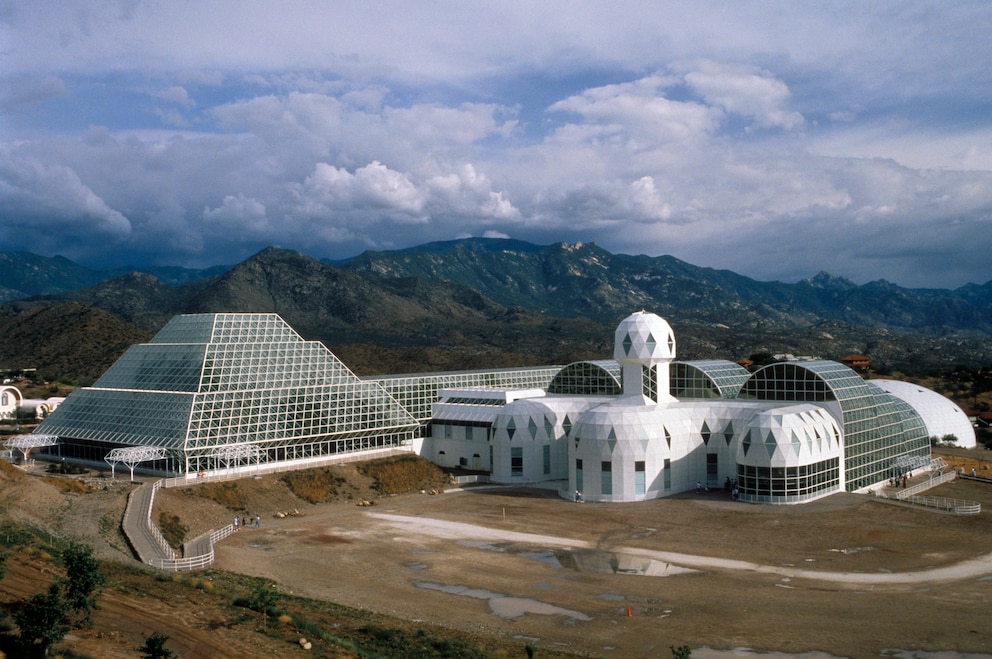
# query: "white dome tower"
{"points": [[645, 346]]}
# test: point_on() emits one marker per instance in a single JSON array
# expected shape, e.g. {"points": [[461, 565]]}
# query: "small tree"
{"points": [[83, 576], [42, 619], [263, 598], [154, 647]]}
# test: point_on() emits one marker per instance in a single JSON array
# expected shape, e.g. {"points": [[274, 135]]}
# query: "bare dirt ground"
{"points": [[528, 565], [849, 575]]}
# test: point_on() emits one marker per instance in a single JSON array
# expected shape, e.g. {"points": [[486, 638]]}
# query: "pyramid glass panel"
{"points": [[207, 382]]}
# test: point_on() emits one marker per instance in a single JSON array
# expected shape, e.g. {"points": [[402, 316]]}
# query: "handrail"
{"points": [[166, 547], [926, 485], [957, 506]]}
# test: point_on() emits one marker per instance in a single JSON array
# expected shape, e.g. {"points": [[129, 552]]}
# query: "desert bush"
{"points": [[313, 485], [405, 473], [228, 494], [172, 528]]}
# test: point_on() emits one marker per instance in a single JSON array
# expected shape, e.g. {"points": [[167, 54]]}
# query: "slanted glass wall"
{"points": [[212, 381]]}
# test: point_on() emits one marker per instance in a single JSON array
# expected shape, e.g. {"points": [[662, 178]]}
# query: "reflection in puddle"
{"points": [[589, 561], [503, 606]]}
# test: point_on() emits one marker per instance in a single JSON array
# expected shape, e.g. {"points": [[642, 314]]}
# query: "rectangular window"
{"points": [[516, 461], [579, 485], [468, 433], [639, 477], [447, 431], [668, 475], [712, 466], [547, 459], [606, 477]]}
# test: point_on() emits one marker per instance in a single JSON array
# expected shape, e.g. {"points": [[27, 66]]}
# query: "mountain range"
{"points": [[484, 303]]}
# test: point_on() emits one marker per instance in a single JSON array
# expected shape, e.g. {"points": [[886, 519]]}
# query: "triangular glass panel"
{"points": [[668, 437], [770, 444], [627, 343], [511, 428], [651, 343], [532, 427], [796, 444], [746, 444], [728, 432], [671, 343], [567, 425], [549, 427], [706, 434]]}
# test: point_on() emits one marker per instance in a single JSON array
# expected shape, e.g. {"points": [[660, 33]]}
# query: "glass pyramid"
{"points": [[206, 382]]}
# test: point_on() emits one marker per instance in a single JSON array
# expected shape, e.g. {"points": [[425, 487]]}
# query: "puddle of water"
{"points": [[592, 561], [545, 556], [503, 606], [481, 544]]}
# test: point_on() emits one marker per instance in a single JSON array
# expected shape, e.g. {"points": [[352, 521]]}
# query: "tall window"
{"points": [[649, 382], [547, 459], [579, 485], [606, 477], [639, 477], [668, 475], [516, 461], [712, 466]]}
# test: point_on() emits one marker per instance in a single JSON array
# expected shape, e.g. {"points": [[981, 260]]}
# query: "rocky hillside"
{"points": [[495, 303], [586, 281]]}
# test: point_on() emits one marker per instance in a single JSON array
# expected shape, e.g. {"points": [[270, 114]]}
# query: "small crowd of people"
{"points": [[895, 481], [247, 522]]}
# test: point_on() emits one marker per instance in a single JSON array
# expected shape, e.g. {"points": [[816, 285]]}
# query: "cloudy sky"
{"points": [[776, 139]]}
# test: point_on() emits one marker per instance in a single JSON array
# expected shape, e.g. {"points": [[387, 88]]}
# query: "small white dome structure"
{"points": [[645, 346], [941, 415]]}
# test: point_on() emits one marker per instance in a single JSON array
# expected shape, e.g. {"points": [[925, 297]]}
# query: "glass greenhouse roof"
{"points": [[714, 378], [589, 378], [877, 429], [208, 381]]}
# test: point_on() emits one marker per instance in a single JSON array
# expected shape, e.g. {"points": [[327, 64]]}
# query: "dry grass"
{"points": [[314, 485], [406, 473]]}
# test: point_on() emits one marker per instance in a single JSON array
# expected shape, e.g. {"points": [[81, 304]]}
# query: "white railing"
{"points": [[198, 561], [247, 471], [956, 506], [166, 547], [933, 481]]}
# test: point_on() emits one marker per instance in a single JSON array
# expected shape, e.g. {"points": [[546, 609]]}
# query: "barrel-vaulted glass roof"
{"points": [[877, 429], [713, 378], [589, 378], [210, 380]]}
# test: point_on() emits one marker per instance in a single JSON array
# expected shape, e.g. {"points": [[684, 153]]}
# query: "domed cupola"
{"points": [[645, 346]]}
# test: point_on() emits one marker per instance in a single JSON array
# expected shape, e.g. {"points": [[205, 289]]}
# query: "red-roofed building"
{"points": [[857, 362]]}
